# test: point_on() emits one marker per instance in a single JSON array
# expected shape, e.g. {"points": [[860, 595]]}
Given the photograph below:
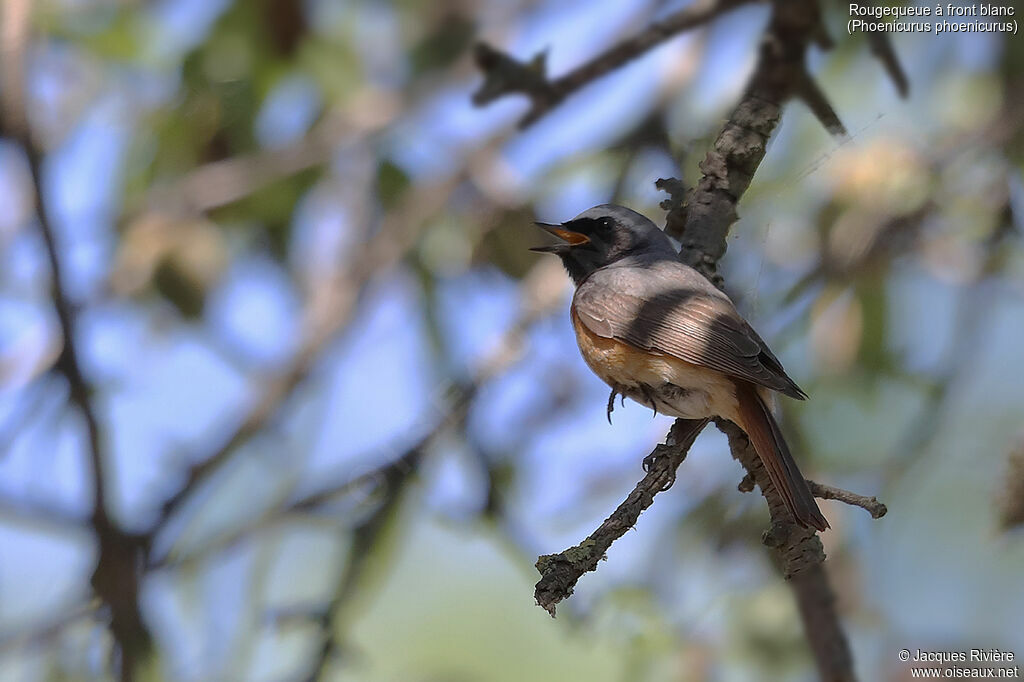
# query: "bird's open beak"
{"points": [[568, 237]]}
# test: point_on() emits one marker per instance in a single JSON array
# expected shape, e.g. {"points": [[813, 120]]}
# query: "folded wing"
{"points": [[673, 310]]}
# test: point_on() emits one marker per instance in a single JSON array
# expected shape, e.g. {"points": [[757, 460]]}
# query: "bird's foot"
{"points": [[653, 459], [611, 403]]}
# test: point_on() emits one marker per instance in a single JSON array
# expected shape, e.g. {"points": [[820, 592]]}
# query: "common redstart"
{"points": [[659, 333]]}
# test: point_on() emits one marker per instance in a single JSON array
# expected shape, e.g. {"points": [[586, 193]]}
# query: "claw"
{"points": [[651, 460], [611, 405]]}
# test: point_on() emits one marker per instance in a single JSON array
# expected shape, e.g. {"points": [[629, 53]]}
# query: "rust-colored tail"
{"points": [[771, 447]]}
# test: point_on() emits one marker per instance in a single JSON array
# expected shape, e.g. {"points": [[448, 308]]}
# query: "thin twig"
{"points": [[560, 572], [505, 75], [869, 504], [702, 222], [538, 301], [116, 578], [827, 492], [381, 252], [802, 558]]}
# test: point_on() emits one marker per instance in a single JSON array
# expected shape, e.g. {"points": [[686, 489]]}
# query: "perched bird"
{"points": [[658, 332]]}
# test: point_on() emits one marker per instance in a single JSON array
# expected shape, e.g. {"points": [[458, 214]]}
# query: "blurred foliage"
{"points": [[288, 231]]}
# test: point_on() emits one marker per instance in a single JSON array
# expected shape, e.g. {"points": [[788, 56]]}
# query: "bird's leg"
{"points": [[646, 390], [611, 403]]}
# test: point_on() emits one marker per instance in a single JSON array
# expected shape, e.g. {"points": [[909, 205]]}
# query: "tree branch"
{"points": [[702, 222], [504, 75], [869, 504], [560, 572], [882, 49], [827, 492], [116, 577], [382, 251], [802, 558]]}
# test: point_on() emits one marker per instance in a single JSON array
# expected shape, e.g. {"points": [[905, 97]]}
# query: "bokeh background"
{"points": [[293, 248]]}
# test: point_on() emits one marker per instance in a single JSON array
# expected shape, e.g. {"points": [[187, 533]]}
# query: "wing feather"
{"points": [[670, 309]]}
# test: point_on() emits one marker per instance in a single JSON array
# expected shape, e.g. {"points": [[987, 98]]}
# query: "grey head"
{"points": [[604, 235]]}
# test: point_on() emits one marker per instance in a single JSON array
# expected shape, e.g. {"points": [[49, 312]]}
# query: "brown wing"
{"points": [[671, 309]]}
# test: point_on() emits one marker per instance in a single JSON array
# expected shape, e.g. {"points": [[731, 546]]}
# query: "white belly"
{"points": [[675, 387], [689, 400]]}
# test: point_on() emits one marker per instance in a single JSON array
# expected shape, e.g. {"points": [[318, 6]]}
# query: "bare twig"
{"points": [[504, 75], [869, 504], [802, 559], [882, 49], [560, 572], [116, 577], [827, 492], [703, 221], [381, 252]]}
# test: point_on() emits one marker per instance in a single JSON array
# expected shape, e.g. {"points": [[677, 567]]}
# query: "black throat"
{"points": [[607, 245], [577, 270]]}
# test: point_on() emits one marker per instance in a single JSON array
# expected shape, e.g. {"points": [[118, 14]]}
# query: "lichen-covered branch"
{"points": [[702, 221], [560, 572], [802, 561]]}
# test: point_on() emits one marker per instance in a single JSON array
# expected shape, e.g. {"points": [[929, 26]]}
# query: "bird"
{"points": [[660, 333]]}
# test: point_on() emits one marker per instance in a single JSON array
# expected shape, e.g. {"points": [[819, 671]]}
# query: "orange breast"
{"points": [[616, 362], [621, 365]]}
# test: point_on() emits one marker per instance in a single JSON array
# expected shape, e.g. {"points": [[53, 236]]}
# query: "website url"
{"points": [[1012, 672]]}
